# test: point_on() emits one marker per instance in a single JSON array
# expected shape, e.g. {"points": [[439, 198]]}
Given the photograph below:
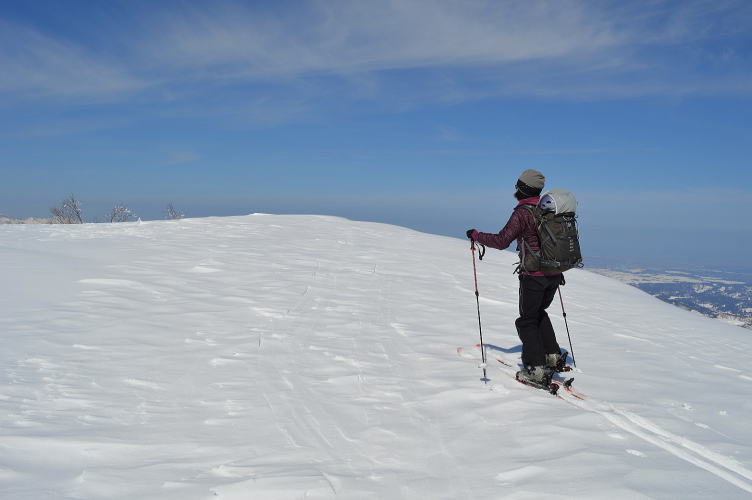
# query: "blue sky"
{"points": [[415, 113]]}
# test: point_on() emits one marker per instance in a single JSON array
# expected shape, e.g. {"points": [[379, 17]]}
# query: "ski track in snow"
{"points": [[263, 357], [724, 467]]}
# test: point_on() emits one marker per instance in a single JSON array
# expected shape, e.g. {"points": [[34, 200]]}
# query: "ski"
{"points": [[565, 384], [553, 388]]}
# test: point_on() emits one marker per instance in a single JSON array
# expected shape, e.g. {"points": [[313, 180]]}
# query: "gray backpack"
{"points": [[556, 222]]}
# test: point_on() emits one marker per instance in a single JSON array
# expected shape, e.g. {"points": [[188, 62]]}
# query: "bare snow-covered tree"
{"points": [[69, 212], [171, 213], [121, 213]]}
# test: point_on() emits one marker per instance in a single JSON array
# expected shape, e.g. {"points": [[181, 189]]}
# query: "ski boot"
{"points": [[558, 362], [537, 376]]}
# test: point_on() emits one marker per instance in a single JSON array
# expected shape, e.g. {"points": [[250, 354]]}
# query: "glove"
{"points": [[472, 234]]}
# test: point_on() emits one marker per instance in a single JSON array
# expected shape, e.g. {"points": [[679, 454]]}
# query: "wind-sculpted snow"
{"points": [[267, 357]]}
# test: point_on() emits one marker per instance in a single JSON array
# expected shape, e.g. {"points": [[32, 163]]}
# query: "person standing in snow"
{"points": [[541, 354]]}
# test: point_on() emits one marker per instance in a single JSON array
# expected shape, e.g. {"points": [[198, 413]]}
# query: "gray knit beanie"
{"points": [[531, 182]]}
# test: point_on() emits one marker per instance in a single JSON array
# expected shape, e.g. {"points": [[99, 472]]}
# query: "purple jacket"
{"points": [[521, 226]]}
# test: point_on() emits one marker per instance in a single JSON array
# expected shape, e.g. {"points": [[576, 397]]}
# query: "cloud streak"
{"points": [[183, 157], [351, 37], [35, 64], [420, 50]]}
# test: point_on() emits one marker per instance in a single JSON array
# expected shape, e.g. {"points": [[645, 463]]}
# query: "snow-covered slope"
{"points": [[314, 357]]}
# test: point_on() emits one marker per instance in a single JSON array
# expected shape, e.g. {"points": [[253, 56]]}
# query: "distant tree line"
{"points": [[69, 212]]}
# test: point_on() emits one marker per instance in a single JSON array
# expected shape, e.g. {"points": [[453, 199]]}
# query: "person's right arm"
{"points": [[509, 233]]}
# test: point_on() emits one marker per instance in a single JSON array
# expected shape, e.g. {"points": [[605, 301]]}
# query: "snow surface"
{"points": [[270, 357]]}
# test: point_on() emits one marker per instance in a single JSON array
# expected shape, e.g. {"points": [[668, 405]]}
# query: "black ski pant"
{"points": [[533, 326]]}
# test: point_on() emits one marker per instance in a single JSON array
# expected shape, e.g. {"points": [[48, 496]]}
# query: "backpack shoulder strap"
{"points": [[525, 246], [533, 210]]}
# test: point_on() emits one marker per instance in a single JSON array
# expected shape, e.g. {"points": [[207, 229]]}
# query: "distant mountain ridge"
{"points": [[725, 295]]}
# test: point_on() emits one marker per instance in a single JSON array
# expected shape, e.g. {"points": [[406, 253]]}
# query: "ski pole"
{"points": [[565, 324], [477, 302]]}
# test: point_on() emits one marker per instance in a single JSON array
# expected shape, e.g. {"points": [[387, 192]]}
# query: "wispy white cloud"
{"points": [[183, 157], [408, 51], [548, 49], [556, 152], [346, 37], [35, 64]]}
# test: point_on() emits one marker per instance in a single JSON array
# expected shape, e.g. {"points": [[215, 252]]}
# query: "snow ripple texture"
{"points": [[290, 357]]}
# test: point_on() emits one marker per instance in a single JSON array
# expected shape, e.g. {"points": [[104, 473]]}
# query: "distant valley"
{"points": [[726, 295]]}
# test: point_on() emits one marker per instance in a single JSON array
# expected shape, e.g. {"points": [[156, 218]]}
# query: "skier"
{"points": [[541, 354]]}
